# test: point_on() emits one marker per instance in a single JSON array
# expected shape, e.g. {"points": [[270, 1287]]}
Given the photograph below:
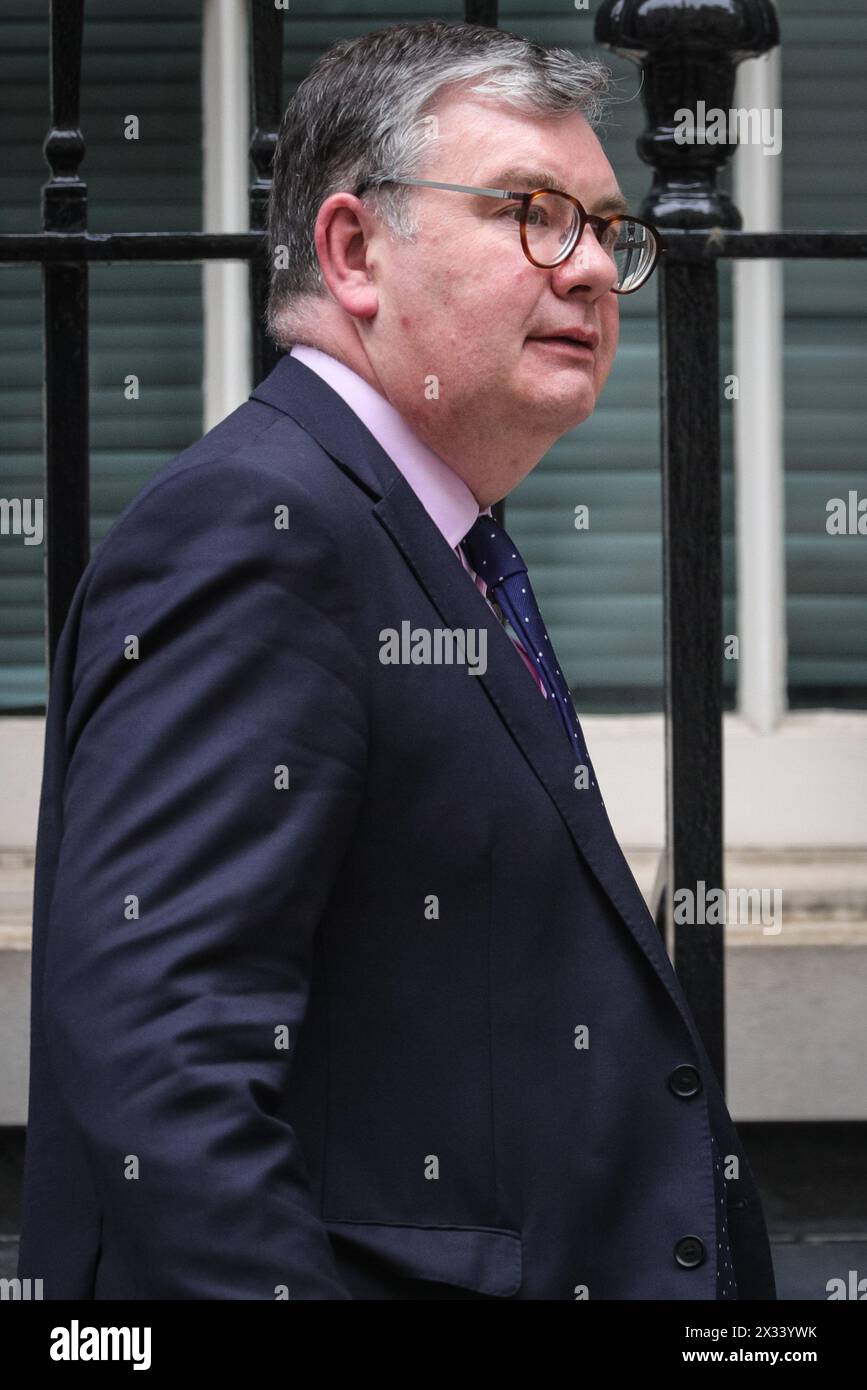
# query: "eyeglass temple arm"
{"points": [[504, 193], [455, 187]]}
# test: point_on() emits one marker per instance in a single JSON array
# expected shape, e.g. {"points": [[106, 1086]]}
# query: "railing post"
{"points": [[266, 32], [483, 12], [65, 318], [688, 51]]}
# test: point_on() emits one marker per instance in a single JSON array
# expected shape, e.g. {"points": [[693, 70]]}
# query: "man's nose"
{"points": [[588, 264]]}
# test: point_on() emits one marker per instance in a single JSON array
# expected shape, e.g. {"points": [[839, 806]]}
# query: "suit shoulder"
{"points": [[256, 464]]}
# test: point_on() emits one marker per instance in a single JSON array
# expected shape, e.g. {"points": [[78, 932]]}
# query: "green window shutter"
{"points": [[824, 80], [141, 59]]}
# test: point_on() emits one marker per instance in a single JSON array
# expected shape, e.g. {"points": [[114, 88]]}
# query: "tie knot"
{"points": [[491, 552]]}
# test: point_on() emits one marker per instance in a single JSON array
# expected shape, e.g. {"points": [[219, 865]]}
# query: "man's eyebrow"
{"points": [[522, 178], [612, 202]]}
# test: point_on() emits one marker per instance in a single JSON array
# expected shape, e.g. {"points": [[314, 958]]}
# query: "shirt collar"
{"points": [[443, 494]]}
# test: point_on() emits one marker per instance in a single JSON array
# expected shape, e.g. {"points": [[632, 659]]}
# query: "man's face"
{"points": [[462, 304]]}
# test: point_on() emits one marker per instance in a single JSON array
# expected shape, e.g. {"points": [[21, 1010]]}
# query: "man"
{"points": [[342, 987]]}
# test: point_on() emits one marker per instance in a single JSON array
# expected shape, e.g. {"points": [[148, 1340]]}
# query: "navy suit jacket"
{"points": [[341, 988]]}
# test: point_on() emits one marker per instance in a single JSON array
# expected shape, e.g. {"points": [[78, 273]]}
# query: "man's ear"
{"points": [[343, 232]]}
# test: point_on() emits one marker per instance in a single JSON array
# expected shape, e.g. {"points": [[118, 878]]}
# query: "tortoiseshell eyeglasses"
{"points": [[552, 223]]}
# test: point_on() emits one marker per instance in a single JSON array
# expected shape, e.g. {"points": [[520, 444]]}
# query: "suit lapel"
{"points": [[299, 392], [514, 696]]}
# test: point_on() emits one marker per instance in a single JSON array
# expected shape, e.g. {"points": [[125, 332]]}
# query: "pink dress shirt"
{"points": [[444, 496]]}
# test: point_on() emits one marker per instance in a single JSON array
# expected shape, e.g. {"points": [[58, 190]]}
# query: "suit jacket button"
{"points": [[690, 1252], [685, 1081]]}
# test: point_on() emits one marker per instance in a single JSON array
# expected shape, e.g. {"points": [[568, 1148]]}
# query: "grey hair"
{"points": [[358, 116]]}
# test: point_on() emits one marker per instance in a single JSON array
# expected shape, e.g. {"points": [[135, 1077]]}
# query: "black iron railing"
{"points": [[688, 50]]}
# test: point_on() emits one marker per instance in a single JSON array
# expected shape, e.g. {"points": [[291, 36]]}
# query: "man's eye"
{"points": [[536, 217]]}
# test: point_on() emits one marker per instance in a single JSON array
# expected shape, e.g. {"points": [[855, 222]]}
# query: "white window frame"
{"points": [[227, 379]]}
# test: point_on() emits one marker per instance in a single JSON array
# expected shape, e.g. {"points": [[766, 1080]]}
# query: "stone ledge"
{"points": [[797, 1026]]}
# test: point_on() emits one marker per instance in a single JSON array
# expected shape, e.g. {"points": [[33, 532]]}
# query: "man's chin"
{"points": [[565, 405]]}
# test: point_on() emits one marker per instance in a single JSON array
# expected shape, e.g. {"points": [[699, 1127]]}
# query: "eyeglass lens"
{"points": [[552, 226]]}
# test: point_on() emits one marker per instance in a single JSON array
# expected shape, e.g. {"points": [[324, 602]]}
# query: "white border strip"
{"points": [[802, 787], [758, 420], [227, 379]]}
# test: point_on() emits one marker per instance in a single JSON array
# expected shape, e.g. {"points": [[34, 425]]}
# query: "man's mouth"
{"points": [[569, 345], [580, 340]]}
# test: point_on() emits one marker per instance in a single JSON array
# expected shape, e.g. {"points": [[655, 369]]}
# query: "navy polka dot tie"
{"points": [[497, 560], [726, 1286]]}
